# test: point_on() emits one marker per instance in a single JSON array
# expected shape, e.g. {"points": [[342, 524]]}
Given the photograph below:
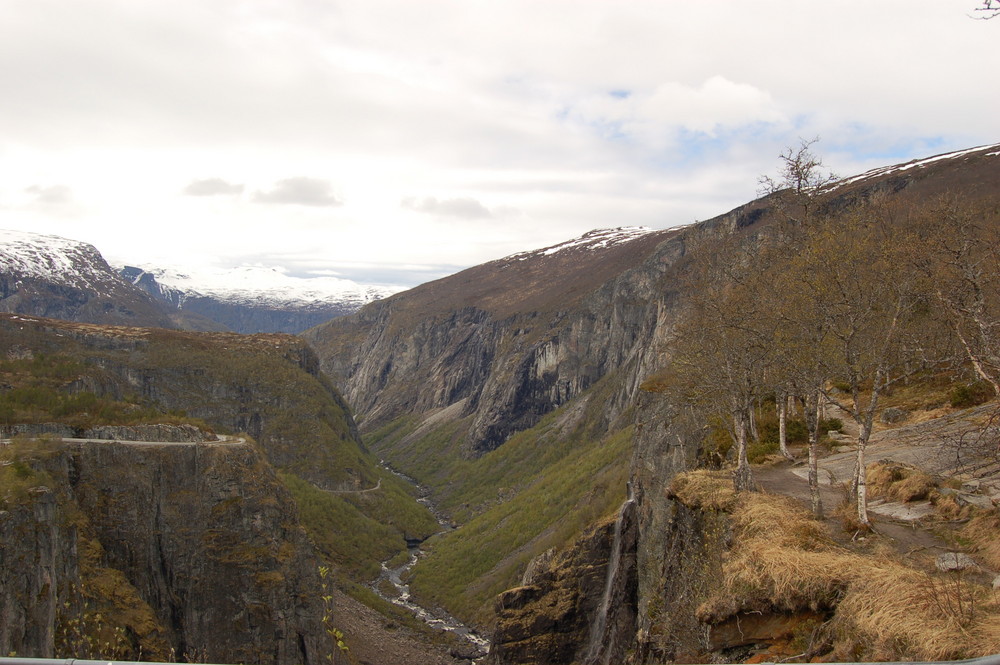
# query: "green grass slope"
{"points": [[538, 491]]}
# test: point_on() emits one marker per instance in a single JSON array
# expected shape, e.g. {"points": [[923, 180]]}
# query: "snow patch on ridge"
{"points": [[916, 163], [590, 241]]}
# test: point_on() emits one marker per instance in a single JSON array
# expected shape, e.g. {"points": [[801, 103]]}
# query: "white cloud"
{"points": [[463, 207], [300, 191], [212, 187], [50, 195]]}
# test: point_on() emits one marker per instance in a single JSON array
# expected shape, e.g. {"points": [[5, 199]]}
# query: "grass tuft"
{"points": [[784, 561], [702, 488]]}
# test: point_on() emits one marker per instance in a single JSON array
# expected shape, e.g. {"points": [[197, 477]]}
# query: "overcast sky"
{"points": [[395, 141]]}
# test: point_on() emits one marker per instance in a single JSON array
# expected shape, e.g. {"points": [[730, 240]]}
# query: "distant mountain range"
{"points": [[46, 275], [249, 299]]}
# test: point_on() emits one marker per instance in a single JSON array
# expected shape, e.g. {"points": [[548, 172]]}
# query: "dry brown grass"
{"points": [[784, 561], [983, 532], [893, 481], [892, 612], [947, 507], [711, 490]]}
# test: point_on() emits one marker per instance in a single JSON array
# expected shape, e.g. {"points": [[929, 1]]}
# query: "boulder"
{"points": [[954, 561], [893, 415]]}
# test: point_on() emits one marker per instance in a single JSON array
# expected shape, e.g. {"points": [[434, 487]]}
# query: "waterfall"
{"points": [[597, 652]]}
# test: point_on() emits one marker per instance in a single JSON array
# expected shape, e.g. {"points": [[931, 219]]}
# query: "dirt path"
{"points": [[926, 445]]}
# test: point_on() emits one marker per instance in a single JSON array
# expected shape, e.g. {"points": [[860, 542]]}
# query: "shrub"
{"points": [[967, 395], [795, 430], [757, 451], [831, 425]]}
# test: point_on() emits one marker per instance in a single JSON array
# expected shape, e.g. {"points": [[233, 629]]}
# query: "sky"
{"points": [[398, 141]]}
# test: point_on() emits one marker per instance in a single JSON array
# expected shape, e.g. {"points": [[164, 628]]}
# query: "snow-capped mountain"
{"points": [[51, 276], [252, 298], [255, 285], [918, 164], [54, 259]]}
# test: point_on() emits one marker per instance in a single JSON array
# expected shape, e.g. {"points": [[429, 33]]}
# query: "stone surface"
{"points": [[909, 511], [952, 561]]}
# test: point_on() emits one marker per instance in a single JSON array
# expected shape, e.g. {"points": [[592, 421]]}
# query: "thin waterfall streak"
{"points": [[595, 641]]}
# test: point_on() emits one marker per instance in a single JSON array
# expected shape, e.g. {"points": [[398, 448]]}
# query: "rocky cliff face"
{"points": [[627, 590], [507, 342], [575, 606], [36, 555], [187, 550]]}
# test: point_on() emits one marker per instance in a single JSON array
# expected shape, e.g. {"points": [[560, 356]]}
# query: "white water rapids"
{"points": [[437, 619]]}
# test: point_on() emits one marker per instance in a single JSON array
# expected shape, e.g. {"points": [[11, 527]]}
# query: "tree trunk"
{"points": [[742, 475], [782, 405], [860, 481], [812, 426]]}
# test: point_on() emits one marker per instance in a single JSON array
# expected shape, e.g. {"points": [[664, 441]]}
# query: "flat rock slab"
{"points": [[906, 512], [924, 445]]}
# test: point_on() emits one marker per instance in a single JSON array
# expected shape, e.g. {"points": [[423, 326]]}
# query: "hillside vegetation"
{"points": [[81, 376]]}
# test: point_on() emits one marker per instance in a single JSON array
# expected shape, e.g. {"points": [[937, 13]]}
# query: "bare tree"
{"points": [[962, 244], [721, 351], [801, 176], [803, 343], [872, 309], [988, 9]]}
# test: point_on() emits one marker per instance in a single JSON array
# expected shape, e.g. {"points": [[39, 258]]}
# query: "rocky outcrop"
{"points": [[192, 548], [568, 602]]}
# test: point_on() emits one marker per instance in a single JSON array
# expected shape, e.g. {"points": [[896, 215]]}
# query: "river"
{"points": [[438, 619]]}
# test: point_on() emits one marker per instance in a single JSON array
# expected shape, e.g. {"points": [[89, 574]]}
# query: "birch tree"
{"points": [[962, 249], [722, 349], [872, 305], [803, 342]]}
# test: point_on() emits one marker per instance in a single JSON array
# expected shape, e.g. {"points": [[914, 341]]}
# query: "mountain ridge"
{"points": [[52, 276]]}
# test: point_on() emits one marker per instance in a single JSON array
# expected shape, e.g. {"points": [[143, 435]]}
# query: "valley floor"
{"points": [[374, 639]]}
